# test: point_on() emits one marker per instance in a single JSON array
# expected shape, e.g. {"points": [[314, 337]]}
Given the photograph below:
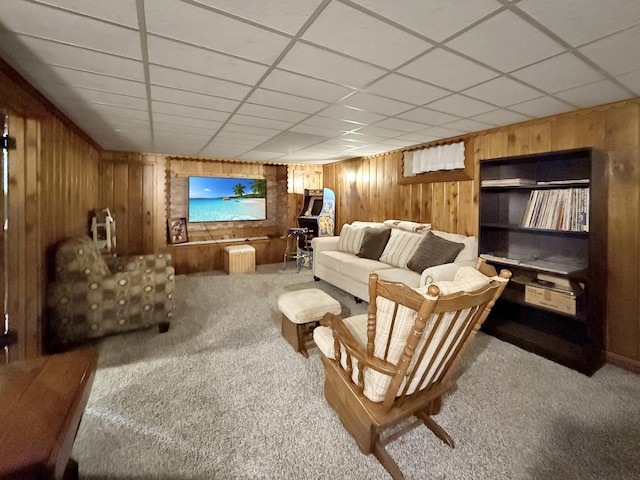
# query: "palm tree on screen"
{"points": [[258, 187], [238, 190]]}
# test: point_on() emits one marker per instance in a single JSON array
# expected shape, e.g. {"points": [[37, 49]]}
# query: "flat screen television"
{"points": [[227, 199]]}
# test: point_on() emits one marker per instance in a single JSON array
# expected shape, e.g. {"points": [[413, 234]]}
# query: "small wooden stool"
{"points": [[301, 312], [239, 259]]}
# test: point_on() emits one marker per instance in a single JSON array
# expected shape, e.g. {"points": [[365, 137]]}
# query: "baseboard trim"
{"points": [[623, 362]]}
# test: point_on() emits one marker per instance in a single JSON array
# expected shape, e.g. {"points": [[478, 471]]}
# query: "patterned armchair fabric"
{"points": [[93, 296]]}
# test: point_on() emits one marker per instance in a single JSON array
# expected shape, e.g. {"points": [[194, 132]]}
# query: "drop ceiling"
{"points": [[316, 81]]}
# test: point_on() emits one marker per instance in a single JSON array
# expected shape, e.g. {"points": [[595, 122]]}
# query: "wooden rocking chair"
{"points": [[399, 360]]}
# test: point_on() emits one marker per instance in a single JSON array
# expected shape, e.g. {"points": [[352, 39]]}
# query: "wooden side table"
{"points": [[41, 405]]}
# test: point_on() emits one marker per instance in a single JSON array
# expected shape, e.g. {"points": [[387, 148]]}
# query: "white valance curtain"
{"points": [[442, 157]]}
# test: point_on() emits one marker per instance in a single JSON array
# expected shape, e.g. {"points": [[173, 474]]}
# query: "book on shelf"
{"points": [[564, 209], [507, 182], [564, 182]]}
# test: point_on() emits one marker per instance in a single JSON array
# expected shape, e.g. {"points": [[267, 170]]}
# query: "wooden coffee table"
{"points": [[42, 402]]}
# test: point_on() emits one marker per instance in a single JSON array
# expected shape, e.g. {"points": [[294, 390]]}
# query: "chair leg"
{"points": [[163, 327], [386, 461], [435, 428]]}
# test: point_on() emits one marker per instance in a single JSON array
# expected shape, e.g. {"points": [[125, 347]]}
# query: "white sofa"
{"points": [[349, 272]]}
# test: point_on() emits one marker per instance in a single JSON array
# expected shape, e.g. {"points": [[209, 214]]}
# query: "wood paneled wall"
{"points": [[53, 175], [453, 206]]}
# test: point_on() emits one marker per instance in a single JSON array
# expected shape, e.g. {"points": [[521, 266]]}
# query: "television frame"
{"points": [[222, 188]]}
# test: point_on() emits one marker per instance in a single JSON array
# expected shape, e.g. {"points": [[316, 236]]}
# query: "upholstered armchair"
{"points": [[93, 296]]}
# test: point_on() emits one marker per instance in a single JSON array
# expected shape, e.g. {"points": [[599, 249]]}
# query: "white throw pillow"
{"points": [[400, 247], [350, 239]]}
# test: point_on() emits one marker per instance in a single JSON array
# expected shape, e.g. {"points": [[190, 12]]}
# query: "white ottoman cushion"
{"points": [[231, 249], [308, 305]]}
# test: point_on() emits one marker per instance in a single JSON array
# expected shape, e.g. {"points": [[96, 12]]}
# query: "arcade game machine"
{"points": [[316, 219], [318, 212]]}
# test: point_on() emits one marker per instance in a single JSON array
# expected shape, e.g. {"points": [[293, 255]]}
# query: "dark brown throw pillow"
{"points": [[433, 250], [373, 243]]}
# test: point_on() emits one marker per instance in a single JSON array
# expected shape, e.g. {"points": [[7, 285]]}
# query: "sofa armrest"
{"points": [[443, 272], [320, 244]]}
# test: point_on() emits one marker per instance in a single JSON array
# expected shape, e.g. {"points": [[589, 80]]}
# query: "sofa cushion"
{"points": [[350, 238], [333, 259], [359, 269], [373, 242], [400, 247], [402, 275], [433, 250]]}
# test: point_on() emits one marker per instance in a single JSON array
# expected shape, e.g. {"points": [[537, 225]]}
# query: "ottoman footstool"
{"points": [[301, 312]]}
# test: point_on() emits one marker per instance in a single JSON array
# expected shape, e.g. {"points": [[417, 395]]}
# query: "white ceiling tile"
{"points": [[501, 117], [283, 100], [542, 107], [257, 155], [164, 128], [312, 130], [295, 84], [506, 42], [270, 112], [427, 116], [613, 53], [468, 125], [502, 91], [45, 74], [596, 93], [199, 123], [332, 123], [376, 104], [363, 137], [259, 122], [435, 19], [398, 143], [248, 130], [448, 70], [187, 111], [221, 151], [378, 131], [288, 142], [631, 80], [61, 92], [172, 95], [558, 73], [439, 132], [406, 89], [581, 21], [461, 106], [198, 60], [35, 49], [352, 115], [362, 36], [208, 29], [324, 65], [168, 77], [400, 125], [241, 137], [104, 111], [44, 21], [269, 13], [413, 138], [118, 11]]}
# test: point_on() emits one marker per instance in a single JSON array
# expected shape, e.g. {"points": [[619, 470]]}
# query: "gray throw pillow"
{"points": [[373, 243], [433, 250]]}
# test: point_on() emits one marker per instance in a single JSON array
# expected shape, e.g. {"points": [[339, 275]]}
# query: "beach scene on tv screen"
{"points": [[218, 199]]}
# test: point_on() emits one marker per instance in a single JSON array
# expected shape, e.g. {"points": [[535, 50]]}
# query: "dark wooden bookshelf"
{"points": [[575, 257]]}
